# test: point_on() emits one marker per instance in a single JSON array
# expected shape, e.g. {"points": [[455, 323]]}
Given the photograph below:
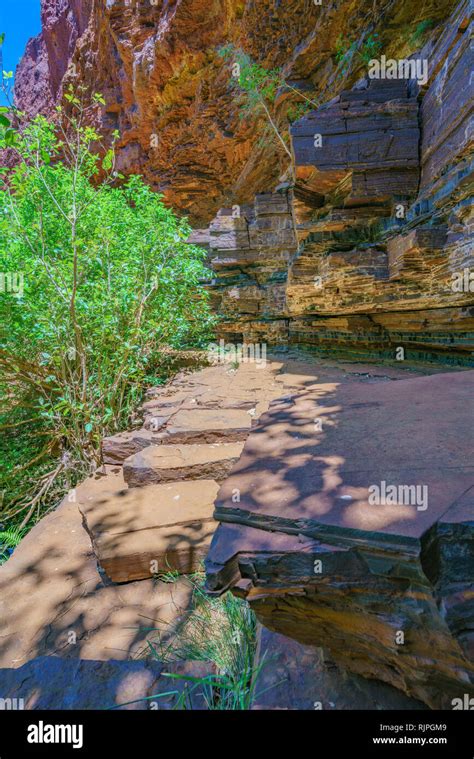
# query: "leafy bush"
{"points": [[95, 279]]}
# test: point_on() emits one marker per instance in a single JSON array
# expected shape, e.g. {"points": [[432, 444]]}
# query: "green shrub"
{"points": [[96, 279]]}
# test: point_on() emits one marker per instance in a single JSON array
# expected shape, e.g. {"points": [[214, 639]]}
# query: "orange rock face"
{"points": [[167, 89]]}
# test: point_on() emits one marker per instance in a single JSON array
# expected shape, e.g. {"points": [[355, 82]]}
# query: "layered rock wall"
{"points": [[378, 228], [168, 90], [370, 249]]}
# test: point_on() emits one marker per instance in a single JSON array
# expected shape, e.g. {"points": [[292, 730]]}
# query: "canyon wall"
{"points": [[361, 244], [167, 89], [369, 250]]}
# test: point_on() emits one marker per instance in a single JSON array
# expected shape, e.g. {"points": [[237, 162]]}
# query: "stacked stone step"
{"points": [[161, 517], [164, 520]]}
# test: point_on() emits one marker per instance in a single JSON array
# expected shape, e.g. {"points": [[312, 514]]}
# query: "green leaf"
{"points": [[10, 137], [108, 160]]}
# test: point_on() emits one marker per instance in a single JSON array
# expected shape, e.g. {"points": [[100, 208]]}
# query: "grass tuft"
{"points": [[221, 631]]}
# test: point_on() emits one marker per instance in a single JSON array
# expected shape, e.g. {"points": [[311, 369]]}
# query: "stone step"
{"points": [[170, 463], [143, 532], [66, 606], [188, 425], [207, 426], [117, 448]]}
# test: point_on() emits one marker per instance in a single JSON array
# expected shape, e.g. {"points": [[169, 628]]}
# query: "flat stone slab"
{"points": [[324, 555], [117, 448], [142, 532], [171, 463], [207, 426], [215, 392], [51, 682], [324, 462], [54, 601]]}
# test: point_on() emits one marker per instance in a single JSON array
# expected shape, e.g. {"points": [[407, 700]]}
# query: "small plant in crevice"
{"points": [[343, 47], [370, 48], [420, 32], [298, 110], [256, 88], [369, 234], [347, 49]]}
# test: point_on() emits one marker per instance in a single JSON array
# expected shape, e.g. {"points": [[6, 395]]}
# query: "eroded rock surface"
{"points": [[52, 682], [167, 88], [294, 676]]}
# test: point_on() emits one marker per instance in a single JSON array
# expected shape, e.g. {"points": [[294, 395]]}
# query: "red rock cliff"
{"points": [[167, 89]]}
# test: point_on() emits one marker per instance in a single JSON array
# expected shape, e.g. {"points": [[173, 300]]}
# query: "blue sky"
{"points": [[20, 20]]}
